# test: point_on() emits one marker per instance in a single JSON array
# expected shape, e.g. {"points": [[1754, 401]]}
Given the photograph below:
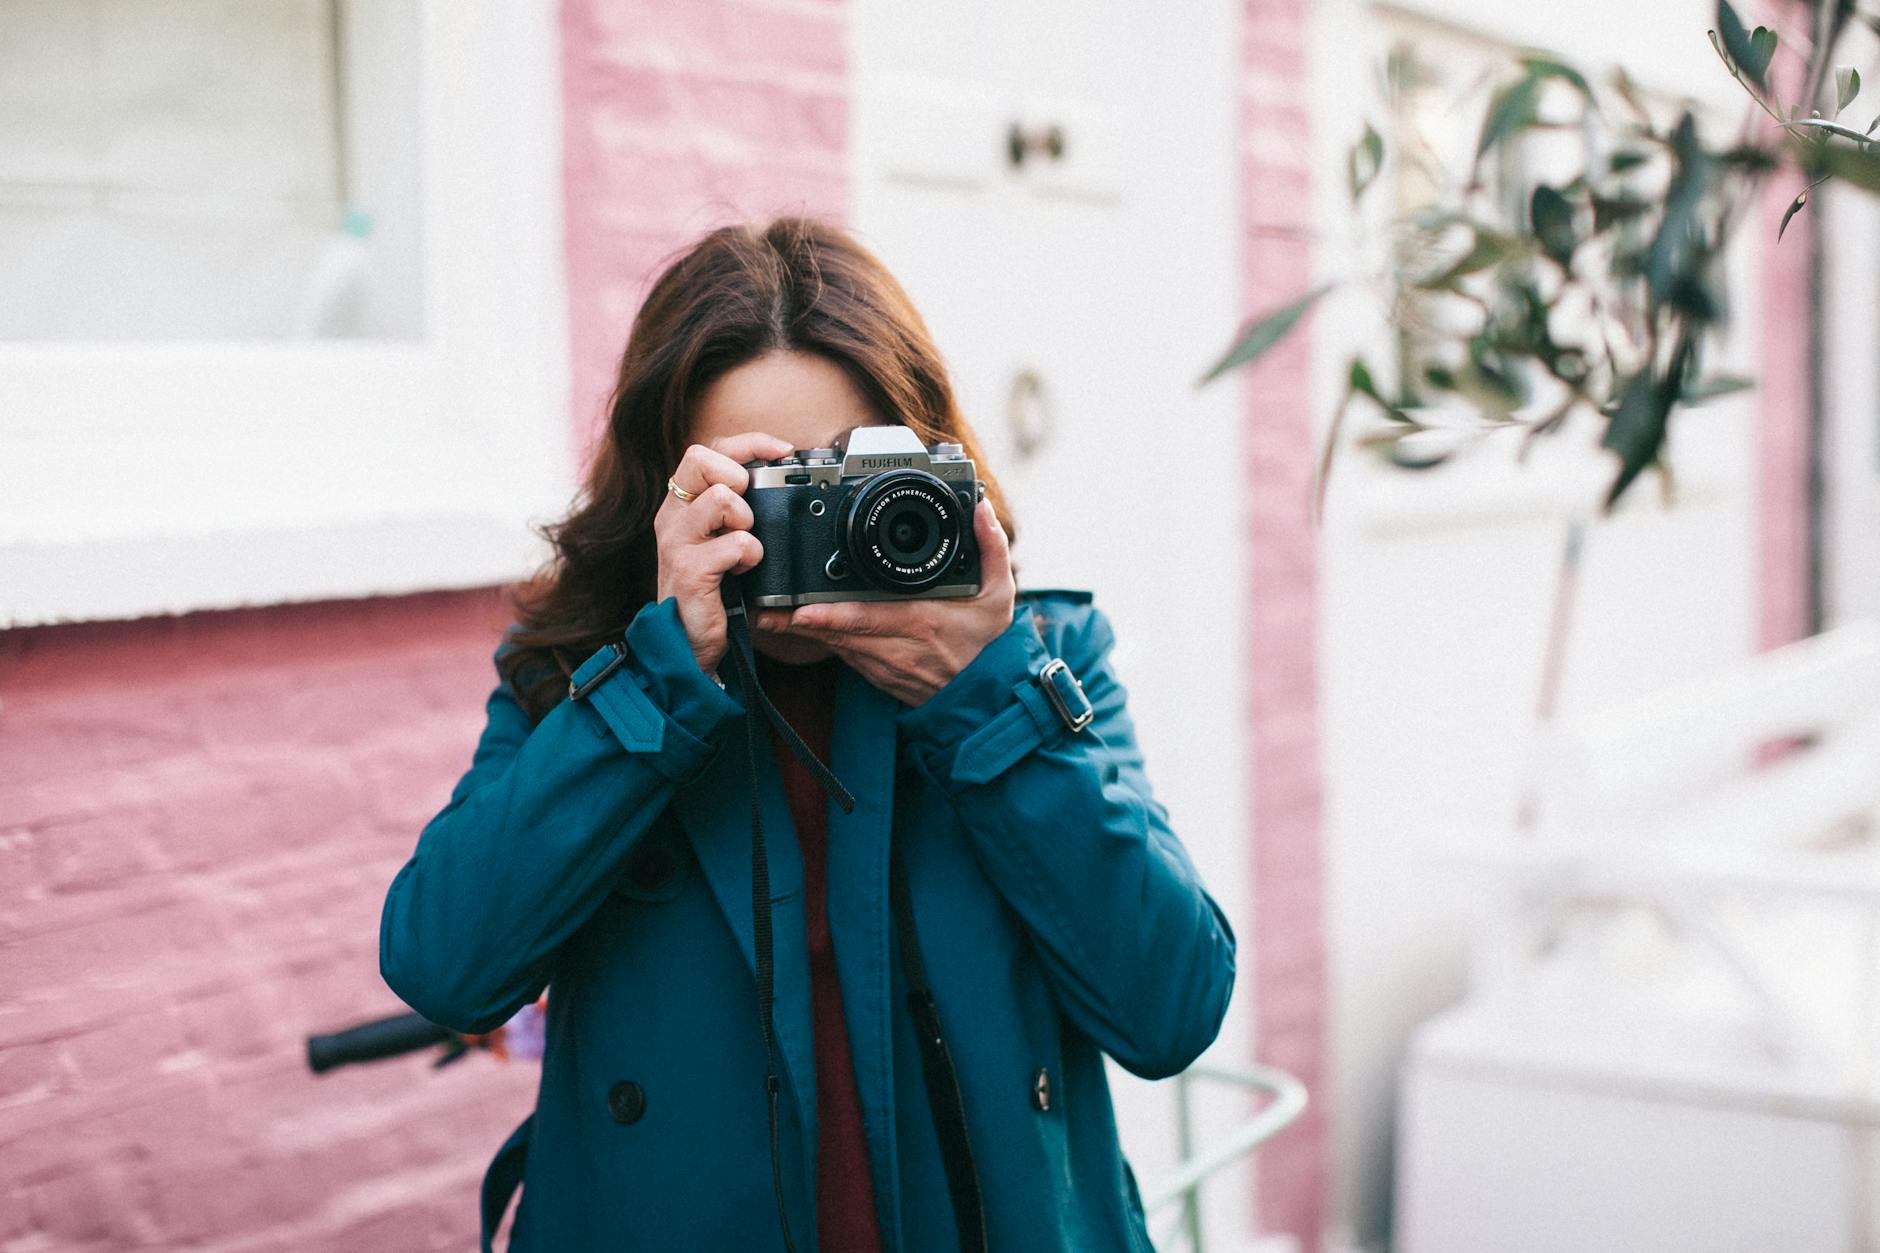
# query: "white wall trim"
{"points": [[145, 478]]}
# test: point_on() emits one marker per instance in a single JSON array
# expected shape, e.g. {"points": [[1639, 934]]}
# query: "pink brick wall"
{"points": [[1784, 389], [198, 818], [682, 117], [1288, 963]]}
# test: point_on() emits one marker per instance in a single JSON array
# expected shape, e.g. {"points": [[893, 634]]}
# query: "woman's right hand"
{"points": [[703, 539]]}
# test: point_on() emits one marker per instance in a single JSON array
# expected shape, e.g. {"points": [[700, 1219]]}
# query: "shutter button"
{"points": [[626, 1102], [1041, 1090]]}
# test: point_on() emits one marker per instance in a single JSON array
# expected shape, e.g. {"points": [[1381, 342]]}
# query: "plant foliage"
{"points": [[1598, 291]]}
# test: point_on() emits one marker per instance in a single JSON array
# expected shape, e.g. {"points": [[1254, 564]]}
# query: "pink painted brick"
{"points": [[1279, 452]]}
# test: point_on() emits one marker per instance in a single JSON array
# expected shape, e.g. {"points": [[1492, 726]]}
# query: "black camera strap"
{"points": [[941, 1081]]}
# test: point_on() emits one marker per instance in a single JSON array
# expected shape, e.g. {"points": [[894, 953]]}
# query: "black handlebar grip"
{"points": [[370, 1041]]}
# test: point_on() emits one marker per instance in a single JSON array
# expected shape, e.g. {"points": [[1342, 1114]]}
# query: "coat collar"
{"points": [[715, 810]]}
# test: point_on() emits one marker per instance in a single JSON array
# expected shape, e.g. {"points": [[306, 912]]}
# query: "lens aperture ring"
{"points": [[903, 530]]}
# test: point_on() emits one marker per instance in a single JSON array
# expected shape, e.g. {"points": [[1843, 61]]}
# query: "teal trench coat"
{"points": [[604, 854]]}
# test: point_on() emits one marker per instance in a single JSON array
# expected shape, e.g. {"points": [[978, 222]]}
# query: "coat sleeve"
{"points": [[536, 831], [1066, 827]]}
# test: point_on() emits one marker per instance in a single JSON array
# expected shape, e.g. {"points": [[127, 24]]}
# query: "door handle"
{"points": [[1023, 143]]}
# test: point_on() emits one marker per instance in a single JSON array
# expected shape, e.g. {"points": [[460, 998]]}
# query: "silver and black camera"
{"points": [[880, 516]]}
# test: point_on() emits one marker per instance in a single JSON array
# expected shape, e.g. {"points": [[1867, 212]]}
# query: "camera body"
{"points": [[880, 516]]}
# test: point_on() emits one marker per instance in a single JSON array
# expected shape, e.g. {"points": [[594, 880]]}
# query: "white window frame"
{"points": [[140, 479]]}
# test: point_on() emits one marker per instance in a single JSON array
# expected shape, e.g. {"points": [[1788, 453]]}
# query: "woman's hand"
{"points": [[702, 540], [910, 649]]}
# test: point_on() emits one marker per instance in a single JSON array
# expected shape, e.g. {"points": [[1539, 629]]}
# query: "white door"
{"points": [[1077, 287]]}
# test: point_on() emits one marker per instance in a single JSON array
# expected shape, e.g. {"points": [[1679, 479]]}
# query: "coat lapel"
{"points": [[715, 810], [863, 757]]}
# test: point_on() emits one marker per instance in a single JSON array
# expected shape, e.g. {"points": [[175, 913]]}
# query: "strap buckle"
{"points": [[1066, 694], [577, 691]]}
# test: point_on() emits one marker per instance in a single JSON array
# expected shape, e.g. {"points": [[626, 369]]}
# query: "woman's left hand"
{"points": [[910, 649]]}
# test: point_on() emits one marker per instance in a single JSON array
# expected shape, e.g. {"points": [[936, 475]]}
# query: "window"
{"points": [[281, 304]]}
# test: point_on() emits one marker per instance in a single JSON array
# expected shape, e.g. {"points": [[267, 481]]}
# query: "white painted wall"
{"points": [[1436, 591], [1850, 221]]}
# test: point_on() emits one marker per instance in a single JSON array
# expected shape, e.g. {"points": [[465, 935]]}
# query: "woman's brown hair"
{"points": [[798, 285]]}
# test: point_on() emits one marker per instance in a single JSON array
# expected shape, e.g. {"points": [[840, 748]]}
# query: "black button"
{"points": [[797, 478], [1041, 1090], [626, 1102]]}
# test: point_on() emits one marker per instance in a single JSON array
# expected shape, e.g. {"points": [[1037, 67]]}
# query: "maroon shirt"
{"points": [[845, 1194]]}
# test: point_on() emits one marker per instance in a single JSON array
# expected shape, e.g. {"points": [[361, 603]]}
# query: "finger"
{"points": [[848, 617], [707, 562], [701, 467], [995, 553], [752, 446], [717, 508]]}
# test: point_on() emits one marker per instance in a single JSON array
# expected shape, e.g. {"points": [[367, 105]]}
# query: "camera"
{"points": [[880, 516]]}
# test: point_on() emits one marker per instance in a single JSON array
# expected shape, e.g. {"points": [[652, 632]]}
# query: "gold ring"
{"points": [[684, 496]]}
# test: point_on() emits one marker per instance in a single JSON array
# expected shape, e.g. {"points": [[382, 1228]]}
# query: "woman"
{"points": [[602, 838]]}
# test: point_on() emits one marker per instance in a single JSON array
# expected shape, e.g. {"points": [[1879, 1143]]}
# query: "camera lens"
{"points": [[908, 534], [902, 531]]}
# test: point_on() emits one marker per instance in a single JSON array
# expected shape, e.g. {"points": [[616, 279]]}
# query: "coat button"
{"points": [[1041, 1090], [626, 1102]]}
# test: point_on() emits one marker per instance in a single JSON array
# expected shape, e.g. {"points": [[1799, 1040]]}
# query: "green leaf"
{"points": [[1736, 42], [1489, 248], [1407, 451], [1636, 431], [1487, 388], [1762, 43], [1363, 384], [1795, 207], [1547, 65], [1610, 211], [1626, 159], [1836, 128], [1364, 161], [1514, 110], [1669, 262], [1361, 378], [1846, 86], [1262, 333], [1750, 158], [1711, 388], [1552, 216], [1853, 165], [1628, 91]]}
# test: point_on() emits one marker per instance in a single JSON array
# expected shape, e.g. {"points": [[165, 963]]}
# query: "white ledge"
{"points": [[141, 576]]}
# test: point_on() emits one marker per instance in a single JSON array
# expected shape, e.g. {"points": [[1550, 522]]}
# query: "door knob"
{"points": [[1028, 413]]}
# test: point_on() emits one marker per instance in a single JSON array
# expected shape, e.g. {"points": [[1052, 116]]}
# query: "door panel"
{"points": [[1077, 292]]}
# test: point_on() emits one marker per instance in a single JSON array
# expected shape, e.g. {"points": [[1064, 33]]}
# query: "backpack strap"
{"points": [[502, 1179]]}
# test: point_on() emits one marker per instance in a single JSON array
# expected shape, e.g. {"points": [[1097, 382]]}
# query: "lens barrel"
{"points": [[902, 530]]}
